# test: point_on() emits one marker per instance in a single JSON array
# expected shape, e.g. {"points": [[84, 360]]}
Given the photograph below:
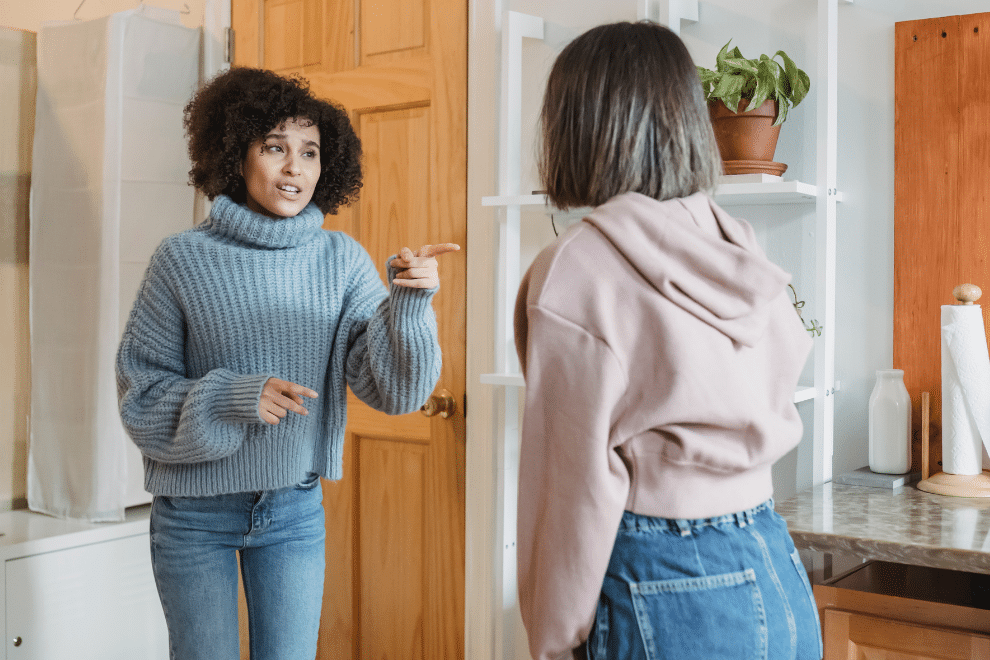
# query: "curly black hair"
{"points": [[244, 104]]}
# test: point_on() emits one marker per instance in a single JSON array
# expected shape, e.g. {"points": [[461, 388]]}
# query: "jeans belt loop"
{"points": [[684, 526]]}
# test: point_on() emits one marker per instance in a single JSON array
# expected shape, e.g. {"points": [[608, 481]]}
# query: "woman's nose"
{"points": [[291, 165]]}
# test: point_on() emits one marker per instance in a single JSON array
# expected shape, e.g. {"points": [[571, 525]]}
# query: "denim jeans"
{"points": [[712, 589], [280, 536]]}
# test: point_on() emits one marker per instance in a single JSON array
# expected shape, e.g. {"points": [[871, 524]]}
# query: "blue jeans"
{"points": [[712, 589], [280, 536]]}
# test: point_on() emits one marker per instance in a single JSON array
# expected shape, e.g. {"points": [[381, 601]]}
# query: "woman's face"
{"points": [[281, 169]]}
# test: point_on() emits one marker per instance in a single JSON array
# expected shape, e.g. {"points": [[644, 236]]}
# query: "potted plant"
{"points": [[748, 101]]}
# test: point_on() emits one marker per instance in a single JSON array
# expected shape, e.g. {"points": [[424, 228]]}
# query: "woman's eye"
{"points": [[272, 147]]}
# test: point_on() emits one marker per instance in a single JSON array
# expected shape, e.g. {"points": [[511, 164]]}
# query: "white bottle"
{"points": [[890, 424]]}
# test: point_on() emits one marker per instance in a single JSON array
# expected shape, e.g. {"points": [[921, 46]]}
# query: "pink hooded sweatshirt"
{"points": [[661, 353]]}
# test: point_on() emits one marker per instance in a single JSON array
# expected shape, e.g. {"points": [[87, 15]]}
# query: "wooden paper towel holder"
{"points": [[942, 483]]}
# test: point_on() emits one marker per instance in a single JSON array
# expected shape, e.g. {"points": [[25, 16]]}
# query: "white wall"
{"points": [[864, 287], [18, 79], [864, 298], [30, 14]]}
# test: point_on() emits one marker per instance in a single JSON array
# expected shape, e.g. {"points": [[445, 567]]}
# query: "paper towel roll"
{"points": [[965, 389]]}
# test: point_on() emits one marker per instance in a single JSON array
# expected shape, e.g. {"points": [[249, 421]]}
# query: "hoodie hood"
{"points": [[698, 257]]}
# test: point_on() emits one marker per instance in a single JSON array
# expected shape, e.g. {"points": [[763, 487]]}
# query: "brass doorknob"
{"points": [[442, 403]]}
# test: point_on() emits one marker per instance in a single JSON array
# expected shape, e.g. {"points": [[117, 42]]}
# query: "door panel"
{"points": [[293, 34], [388, 26], [395, 522], [392, 493], [394, 204]]}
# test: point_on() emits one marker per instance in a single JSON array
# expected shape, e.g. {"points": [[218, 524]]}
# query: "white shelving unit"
{"points": [[727, 194], [823, 194]]}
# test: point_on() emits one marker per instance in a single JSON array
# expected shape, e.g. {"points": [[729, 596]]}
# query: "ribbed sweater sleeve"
{"points": [[393, 357], [172, 418]]}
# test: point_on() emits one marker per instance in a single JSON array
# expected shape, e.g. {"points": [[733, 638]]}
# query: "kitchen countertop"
{"points": [[904, 525]]}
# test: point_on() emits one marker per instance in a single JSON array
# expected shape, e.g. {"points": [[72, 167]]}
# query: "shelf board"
{"points": [[514, 200], [774, 192], [804, 394], [503, 379], [727, 194], [516, 380]]}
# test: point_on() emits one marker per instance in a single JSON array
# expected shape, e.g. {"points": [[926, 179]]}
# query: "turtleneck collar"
{"points": [[239, 223]]}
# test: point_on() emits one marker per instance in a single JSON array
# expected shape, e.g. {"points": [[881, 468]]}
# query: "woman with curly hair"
{"points": [[234, 363]]}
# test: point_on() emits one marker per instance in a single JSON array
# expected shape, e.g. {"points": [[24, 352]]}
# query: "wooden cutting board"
{"points": [[941, 193]]}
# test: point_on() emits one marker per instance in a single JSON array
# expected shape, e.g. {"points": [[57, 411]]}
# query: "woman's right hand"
{"points": [[279, 397]]}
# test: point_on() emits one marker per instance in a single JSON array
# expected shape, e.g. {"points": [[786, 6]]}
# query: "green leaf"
{"points": [[707, 78], [797, 80], [739, 65], [729, 89], [782, 104], [722, 54], [765, 85], [707, 75], [800, 88]]}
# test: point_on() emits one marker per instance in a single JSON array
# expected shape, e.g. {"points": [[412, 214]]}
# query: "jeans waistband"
{"points": [[634, 522]]}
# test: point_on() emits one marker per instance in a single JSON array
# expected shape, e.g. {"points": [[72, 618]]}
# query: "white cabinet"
{"points": [[79, 590]]}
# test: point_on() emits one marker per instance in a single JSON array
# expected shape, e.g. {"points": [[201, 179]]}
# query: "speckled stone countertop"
{"points": [[904, 525]]}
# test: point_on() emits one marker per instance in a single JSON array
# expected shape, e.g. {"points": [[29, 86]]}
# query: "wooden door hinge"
{"points": [[228, 46]]}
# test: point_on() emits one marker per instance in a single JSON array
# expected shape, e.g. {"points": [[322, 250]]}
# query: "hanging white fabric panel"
{"points": [[109, 181]]}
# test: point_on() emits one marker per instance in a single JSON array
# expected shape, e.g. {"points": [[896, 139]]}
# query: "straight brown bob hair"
{"points": [[624, 111]]}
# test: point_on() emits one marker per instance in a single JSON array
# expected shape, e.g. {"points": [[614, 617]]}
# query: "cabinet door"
{"points": [[95, 602], [852, 636]]}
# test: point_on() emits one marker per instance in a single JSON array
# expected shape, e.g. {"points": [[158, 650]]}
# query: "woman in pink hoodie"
{"points": [[661, 354]]}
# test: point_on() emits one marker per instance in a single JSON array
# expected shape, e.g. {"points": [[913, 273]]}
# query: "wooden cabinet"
{"points": [[854, 636], [890, 611]]}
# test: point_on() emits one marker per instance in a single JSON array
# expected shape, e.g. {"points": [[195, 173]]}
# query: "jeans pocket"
{"points": [[803, 577], [690, 617], [311, 481]]}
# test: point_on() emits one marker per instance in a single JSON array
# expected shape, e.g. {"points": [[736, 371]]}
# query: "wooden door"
{"points": [[395, 523], [941, 199]]}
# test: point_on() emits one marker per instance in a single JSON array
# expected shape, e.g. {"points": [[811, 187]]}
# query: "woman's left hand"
{"points": [[419, 270]]}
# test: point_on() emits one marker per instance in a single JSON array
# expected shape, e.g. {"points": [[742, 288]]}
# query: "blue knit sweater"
{"points": [[242, 298]]}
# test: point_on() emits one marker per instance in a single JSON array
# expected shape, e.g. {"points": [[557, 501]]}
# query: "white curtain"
{"points": [[109, 181]]}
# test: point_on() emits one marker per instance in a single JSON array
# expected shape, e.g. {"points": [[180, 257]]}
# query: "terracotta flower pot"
{"points": [[746, 140]]}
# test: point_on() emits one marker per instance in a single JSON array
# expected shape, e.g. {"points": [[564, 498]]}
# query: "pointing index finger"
{"points": [[440, 248]]}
